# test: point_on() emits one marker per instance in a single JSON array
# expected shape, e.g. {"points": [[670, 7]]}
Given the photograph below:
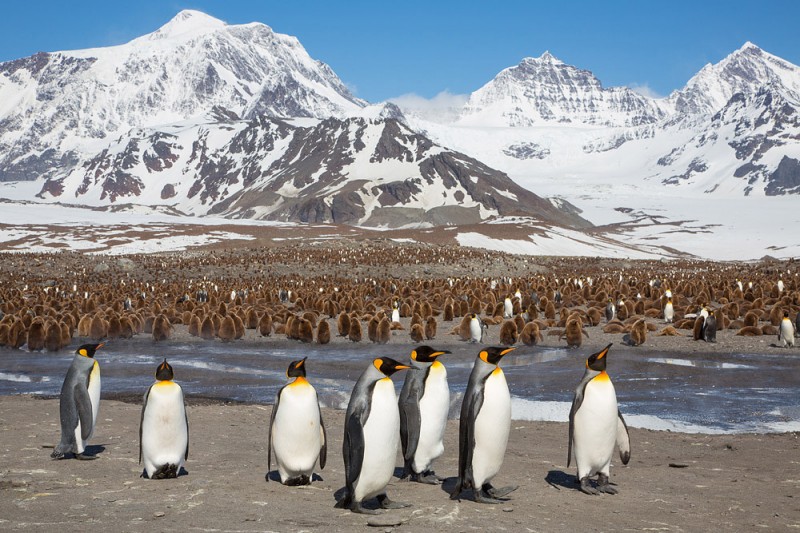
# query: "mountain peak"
{"points": [[188, 21], [545, 58]]}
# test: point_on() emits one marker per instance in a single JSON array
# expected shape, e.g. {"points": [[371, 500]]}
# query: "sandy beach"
{"points": [[674, 482]]}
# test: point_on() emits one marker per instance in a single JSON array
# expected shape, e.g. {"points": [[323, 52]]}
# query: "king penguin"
{"points": [[296, 429], [483, 428], [164, 427], [424, 404], [596, 426], [786, 332], [475, 329], [669, 311], [79, 402], [371, 437]]}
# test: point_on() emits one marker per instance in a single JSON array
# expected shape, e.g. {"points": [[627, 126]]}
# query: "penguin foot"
{"points": [[357, 508], [57, 455], [484, 497], [386, 503], [81, 457], [604, 486], [426, 478], [498, 493], [586, 487], [298, 481]]}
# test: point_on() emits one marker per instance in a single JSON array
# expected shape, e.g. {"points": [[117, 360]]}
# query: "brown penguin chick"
{"points": [[684, 323], [530, 335], [305, 331], [769, 329], [343, 324], [448, 312], [520, 322], [372, 329], [416, 319], [775, 316], [114, 327], [508, 333], [148, 324], [265, 325], [207, 329], [697, 329], [638, 333], [126, 327], [430, 328], [668, 331], [238, 324], [417, 333], [36, 334], [291, 327], [162, 329], [426, 309], [4, 328], [573, 333], [52, 336], [736, 324], [194, 326], [85, 325], [98, 328], [550, 311], [323, 332], [463, 327], [66, 334], [355, 331], [227, 329], [312, 318], [595, 316], [252, 319], [186, 317], [749, 331], [405, 310], [384, 331], [750, 319], [614, 327]]}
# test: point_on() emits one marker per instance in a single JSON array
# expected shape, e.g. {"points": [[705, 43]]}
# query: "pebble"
{"points": [[159, 514], [384, 521]]}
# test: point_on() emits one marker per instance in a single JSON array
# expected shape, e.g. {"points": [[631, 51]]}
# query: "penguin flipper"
{"points": [[84, 405], [353, 449], [271, 421], [623, 439], [186, 420], [410, 418], [141, 420], [577, 401], [469, 412], [323, 451]]}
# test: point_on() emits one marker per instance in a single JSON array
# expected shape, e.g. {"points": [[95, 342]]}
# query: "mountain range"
{"points": [[239, 121]]}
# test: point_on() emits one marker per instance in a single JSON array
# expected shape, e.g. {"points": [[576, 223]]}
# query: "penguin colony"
{"points": [[566, 303], [217, 296]]}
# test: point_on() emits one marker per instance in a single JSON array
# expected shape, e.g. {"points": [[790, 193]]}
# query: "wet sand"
{"points": [[674, 482]]}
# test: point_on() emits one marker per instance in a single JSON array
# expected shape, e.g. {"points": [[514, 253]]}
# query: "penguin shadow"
{"points": [[559, 478], [370, 504], [94, 450], [449, 484]]}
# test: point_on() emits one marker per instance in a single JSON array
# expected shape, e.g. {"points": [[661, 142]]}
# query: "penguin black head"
{"points": [[426, 354], [164, 371], [297, 369], [88, 350], [493, 354], [597, 361], [786, 314], [388, 366]]}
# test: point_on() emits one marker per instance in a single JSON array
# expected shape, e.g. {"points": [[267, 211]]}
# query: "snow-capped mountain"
{"points": [[371, 172], [54, 105], [545, 89]]}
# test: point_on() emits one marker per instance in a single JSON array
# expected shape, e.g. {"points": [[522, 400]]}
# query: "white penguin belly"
{"points": [[381, 439], [475, 330], [595, 428], [491, 429], [395, 315], [165, 434], [433, 408], [296, 432], [94, 398], [787, 333]]}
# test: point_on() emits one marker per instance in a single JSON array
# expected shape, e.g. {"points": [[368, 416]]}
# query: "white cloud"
{"points": [[644, 90], [444, 107]]}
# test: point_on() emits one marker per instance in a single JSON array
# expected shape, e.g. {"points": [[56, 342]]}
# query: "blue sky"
{"points": [[387, 49]]}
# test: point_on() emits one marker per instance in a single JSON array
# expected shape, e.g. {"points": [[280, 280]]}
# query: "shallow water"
{"points": [[712, 393]]}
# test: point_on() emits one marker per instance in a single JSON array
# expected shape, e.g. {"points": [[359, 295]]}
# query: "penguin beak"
{"points": [[302, 362], [437, 354], [100, 345], [508, 350], [402, 367], [603, 352]]}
